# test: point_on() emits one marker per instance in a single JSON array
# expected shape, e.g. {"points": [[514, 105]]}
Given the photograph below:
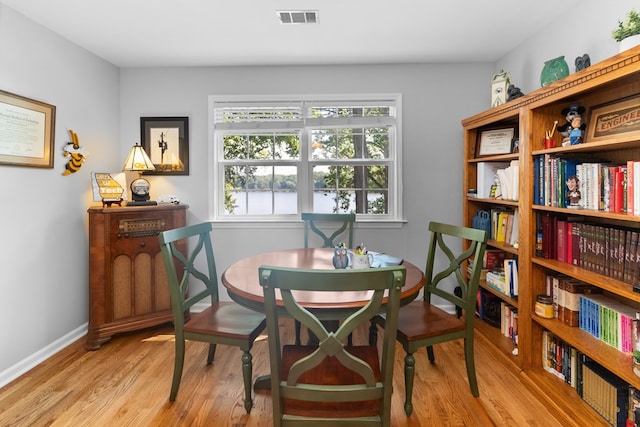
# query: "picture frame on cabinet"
{"points": [[618, 120], [495, 141], [166, 141], [28, 129]]}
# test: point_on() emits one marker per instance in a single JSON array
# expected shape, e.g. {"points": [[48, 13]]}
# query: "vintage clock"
{"points": [[140, 193], [499, 86]]}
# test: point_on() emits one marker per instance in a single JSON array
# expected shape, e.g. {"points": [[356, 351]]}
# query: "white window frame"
{"points": [[216, 165]]}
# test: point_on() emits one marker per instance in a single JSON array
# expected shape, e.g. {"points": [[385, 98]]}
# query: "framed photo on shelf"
{"points": [[496, 141], [166, 141], [619, 120], [27, 131]]}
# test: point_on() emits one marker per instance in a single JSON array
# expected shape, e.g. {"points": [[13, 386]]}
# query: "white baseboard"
{"points": [[41, 355]]}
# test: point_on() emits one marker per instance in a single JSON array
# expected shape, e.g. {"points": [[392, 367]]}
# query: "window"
{"points": [[274, 158]]}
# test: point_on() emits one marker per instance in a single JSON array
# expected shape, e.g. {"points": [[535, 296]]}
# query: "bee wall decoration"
{"points": [[76, 154]]}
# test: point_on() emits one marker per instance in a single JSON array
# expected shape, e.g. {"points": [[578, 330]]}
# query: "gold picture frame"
{"points": [[615, 121], [27, 129]]}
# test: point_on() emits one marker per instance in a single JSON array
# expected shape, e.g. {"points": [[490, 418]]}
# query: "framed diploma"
{"points": [[27, 131], [492, 142]]}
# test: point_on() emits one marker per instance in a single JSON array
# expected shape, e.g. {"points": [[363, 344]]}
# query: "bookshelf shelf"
{"points": [[617, 287], [561, 399], [504, 344], [504, 297], [503, 246], [604, 83], [617, 362]]}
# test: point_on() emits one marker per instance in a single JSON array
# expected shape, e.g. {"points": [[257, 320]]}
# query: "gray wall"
{"points": [[432, 111], [43, 282], [43, 274]]}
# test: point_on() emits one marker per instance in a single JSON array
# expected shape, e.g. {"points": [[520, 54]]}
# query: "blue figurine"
{"points": [[575, 126], [340, 258]]}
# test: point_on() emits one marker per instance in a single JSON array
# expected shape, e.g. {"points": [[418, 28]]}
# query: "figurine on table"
{"points": [[575, 126], [340, 258], [573, 193]]}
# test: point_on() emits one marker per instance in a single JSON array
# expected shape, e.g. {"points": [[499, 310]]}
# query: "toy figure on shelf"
{"points": [[575, 126], [573, 193]]}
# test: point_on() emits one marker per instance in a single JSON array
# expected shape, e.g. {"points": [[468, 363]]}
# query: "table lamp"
{"points": [[139, 161]]}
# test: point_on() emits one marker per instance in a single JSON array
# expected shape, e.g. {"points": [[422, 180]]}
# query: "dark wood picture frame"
{"points": [[28, 130], [496, 140], [618, 120], [166, 141]]}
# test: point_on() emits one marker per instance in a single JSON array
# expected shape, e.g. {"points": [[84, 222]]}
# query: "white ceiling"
{"points": [[144, 33]]}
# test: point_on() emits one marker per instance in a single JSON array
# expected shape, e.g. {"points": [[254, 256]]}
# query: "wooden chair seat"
{"points": [[226, 319], [331, 372], [419, 320]]}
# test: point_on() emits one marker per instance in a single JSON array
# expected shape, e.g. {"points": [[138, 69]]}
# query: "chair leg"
{"points": [[409, 372], [298, 328], [471, 366], [247, 372], [373, 333], [212, 353], [430, 354], [177, 369]]}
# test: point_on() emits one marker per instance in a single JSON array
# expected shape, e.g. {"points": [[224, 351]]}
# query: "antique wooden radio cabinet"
{"points": [[128, 287]]}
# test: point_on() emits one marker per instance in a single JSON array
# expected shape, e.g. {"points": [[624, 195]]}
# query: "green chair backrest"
{"points": [[181, 268], [345, 222], [382, 283], [443, 237]]}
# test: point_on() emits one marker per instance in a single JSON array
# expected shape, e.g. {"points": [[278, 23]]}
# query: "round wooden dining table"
{"points": [[243, 285]]}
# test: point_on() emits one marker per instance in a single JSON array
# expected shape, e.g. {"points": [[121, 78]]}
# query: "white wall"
{"points": [[43, 274], [587, 30], [43, 280]]}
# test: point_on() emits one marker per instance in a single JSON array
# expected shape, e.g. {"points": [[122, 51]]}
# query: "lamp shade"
{"points": [[137, 160]]}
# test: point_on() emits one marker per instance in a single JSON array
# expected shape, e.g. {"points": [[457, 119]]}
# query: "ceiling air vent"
{"points": [[298, 16]]}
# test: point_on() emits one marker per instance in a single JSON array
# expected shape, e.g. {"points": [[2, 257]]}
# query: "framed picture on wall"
{"points": [[27, 129], [166, 141]]}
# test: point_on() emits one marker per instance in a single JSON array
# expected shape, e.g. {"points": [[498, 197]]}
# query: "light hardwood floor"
{"points": [[127, 382]]}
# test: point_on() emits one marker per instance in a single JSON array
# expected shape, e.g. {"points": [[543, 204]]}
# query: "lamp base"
{"points": [[142, 203]]}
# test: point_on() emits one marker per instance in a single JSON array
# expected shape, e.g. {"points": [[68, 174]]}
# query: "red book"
{"points": [[630, 177], [568, 258], [618, 191], [561, 240]]}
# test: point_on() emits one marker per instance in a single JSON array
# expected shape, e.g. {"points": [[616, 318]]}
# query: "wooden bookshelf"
{"points": [[607, 82]]}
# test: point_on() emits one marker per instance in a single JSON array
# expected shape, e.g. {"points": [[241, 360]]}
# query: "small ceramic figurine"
{"points": [[575, 126], [340, 258], [573, 193]]}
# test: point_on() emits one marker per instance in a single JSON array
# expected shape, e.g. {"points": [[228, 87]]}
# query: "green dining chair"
{"points": [[422, 324], [222, 322], [317, 223], [331, 383], [320, 225]]}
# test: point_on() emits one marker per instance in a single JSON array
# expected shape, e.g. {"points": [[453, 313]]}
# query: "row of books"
{"points": [[604, 249], [602, 186], [614, 399], [505, 279], [566, 292], [498, 180], [610, 321]]}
